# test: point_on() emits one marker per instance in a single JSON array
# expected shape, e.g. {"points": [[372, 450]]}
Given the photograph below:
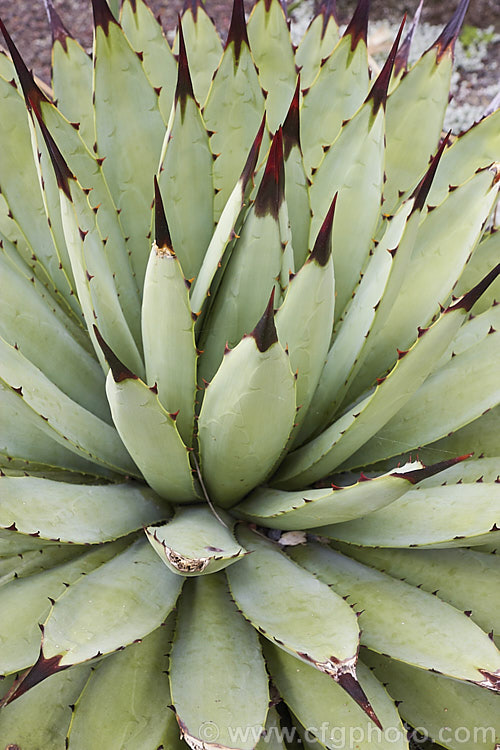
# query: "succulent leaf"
{"points": [[359, 320], [358, 183], [227, 226], [337, 444], [71, 77], [59, 416], [189, 214], [154, 438], [438, 258], [195, 541], [462, 577], [124, 94], [312, 696], [447, 708], [344, 75], [219, 677], [233, 120], [31, 597], [258, 585], [33, 444], [272, 51], [29, 561], [80, 514], [429, 517], [296, 181], [409, 148], [472, 368], [305, 319], [305, 509], [105, 714], [21, 188], [68, 138], [43, 715], [247, 414], [94, 278], [483, 258], [271, 738], [168, 335], [411, 614], [482, 434], [253, 268], [318, 43], [146, 37], [122, 600], [204, 48], [24, 305]]}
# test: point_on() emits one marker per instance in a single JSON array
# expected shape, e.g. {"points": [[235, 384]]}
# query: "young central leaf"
{"points": [[247, 414]]}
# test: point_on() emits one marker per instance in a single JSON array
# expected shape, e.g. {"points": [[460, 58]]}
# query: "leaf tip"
{"points": [[251, 162], [264, 333], [163, 241], [103, 16], [449, 35], [379, 90], [271, 191], [414, 476], [119, 371], [42, 669], [237, 33], [422, 190], [323, 245], [403, 54], [468, 300], [348, 682], [184, 86], [328, 10], [291, 126], [357, 28], [59, 31]]}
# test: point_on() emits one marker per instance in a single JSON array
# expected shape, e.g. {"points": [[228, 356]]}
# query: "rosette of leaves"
{"points": [[241, 286]]}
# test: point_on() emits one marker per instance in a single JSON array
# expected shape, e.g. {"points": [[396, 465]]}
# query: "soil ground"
{"points": [[27, 23]]}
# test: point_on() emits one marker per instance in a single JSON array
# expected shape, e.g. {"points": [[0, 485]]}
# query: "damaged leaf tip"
{"points": [[414, 476]]}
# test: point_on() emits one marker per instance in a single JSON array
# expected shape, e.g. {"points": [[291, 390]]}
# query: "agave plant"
{"points": [[241, 287]]}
